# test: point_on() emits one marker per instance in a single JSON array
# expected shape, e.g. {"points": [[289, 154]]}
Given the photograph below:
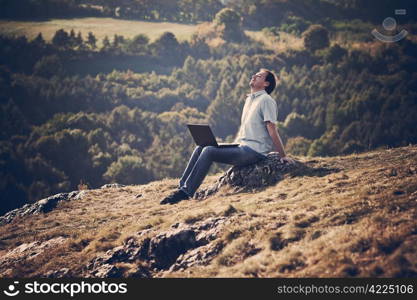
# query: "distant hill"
{"points": [[101, 27], [349, 216]]}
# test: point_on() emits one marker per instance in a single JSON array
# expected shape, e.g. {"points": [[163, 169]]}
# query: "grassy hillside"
{"points": [[99, 26], [350, 216]]}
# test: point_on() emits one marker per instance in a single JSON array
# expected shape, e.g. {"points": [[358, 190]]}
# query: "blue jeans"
{"points": [[202, 158]]}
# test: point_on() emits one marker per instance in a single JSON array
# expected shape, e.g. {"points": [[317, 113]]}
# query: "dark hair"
{"points": [[270, 77]]}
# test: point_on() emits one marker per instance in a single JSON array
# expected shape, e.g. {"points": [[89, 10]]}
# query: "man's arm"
{"points": [[276, 139]]}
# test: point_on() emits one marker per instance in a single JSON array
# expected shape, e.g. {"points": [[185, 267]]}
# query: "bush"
{"points": [[138, 43], [49, 66], [128, 169], [271, 32], [230, 25], [298, 145], [335, 54], [61, 39], [168, 48], [316, 37], [298, 125], [294, 25]]}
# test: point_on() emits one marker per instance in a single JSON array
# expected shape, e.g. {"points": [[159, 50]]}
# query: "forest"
{"points": [[79, 111]]}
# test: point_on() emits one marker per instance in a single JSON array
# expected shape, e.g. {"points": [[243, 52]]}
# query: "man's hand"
{"points": [[287, 159]]}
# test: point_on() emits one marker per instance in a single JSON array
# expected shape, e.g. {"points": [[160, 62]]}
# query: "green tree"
{"points": [[298, 145], [298, 125], [78, 42], [72, 38], [106, 43], [39, 40], [335, 54], [229, 23], [224, 111], [167, 47], [61, 39], [294, 25], [91, 40], [49, 66], [118, 40], [128, 169], [316, 37], [138, 43], [199, 47]]}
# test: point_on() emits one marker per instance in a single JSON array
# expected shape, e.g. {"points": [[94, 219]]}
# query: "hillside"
{"points": [[107, 92], [101, 27], [348, 216]]}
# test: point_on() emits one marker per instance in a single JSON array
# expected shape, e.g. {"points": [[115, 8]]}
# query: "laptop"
{"points": [[203, 136]]}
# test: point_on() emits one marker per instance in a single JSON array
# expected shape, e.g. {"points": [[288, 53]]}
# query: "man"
{"points": [[257, 136]]}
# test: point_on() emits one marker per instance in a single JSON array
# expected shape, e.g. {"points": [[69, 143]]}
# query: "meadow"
{"points": [[99, 26]]}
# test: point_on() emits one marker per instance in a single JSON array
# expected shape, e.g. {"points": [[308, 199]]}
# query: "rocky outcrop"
{"points": [[199, 256], [248, 178], [112, 185], [180, 247], [61, 273], [27, 252], [42, 206]]}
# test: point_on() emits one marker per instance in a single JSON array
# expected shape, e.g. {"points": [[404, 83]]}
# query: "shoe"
{"points": [[175, 197]]}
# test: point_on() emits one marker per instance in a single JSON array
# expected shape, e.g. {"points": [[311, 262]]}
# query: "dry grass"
{"points": [[99, 26], [359, 220], [285, 42]]}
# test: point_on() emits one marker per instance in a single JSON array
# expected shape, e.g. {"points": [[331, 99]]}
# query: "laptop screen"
{"points": [[202, 135]]}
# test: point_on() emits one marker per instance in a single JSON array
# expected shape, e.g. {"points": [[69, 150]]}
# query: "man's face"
{"points": [[257, 80]]}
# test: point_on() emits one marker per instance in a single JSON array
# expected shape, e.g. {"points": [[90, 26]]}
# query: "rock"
{"points": [[48, 204], [199, 256], [165, 248], [77, 195], [112, 185], [139, 272], [248, 178], [28, 251], [172, 248], [61, 273], [108, 271], [42, 206]]}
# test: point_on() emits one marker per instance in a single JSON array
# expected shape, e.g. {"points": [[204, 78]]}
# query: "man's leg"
{"points": [[241, 155], [190, 165], [179, 194]]}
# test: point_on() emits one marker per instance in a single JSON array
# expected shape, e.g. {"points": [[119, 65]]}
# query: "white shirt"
{"points": [[259, 107]]}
